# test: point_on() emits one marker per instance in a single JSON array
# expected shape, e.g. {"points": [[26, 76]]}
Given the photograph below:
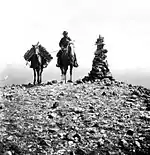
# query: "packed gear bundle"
{"points": [[42, 51]]}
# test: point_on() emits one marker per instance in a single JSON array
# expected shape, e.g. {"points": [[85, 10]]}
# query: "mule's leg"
{"points": [[34, 81], [38, 76], [63, 78]]}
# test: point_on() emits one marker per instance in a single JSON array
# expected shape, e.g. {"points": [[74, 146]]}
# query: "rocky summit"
{"points": [[96, 115], [105, 117]]}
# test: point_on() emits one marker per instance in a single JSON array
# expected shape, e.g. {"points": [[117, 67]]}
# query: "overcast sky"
{"points": [[124, 24]]}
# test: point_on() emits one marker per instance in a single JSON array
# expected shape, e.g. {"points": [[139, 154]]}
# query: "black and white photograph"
{"points": [[74, 77]]}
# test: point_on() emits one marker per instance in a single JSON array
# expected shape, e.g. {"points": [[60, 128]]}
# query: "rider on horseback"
{"points": [[64, 42]]}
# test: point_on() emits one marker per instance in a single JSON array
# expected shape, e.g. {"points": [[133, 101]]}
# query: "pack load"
{"points": [[44, 53], [29, 54]]}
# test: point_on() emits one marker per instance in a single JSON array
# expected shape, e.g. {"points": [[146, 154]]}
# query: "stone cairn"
{"points": [[100, 68]]}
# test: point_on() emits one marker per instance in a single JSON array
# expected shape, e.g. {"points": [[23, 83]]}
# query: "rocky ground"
{"points": [[100, 118]]}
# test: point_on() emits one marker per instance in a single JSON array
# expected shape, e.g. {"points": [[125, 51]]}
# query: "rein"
{"points": [[54, 51]]}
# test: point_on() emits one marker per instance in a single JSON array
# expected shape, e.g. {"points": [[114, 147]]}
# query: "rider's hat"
{"points": [[65, 33]]}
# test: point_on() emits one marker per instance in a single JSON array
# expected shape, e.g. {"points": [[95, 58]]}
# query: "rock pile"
{"points": [[100, 68]]}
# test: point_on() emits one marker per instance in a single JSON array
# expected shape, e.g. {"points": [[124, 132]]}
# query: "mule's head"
{"points": [[36, 49]]}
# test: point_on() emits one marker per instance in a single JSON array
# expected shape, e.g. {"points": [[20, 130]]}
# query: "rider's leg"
{"points": [[75, 61], [58, 58]]}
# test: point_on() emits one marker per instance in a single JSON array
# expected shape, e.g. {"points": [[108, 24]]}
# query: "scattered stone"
{"points": [[93, 153], [131, 100], [42, 142], [130, 132], [100, 142], [80, 81], [55, 105], [71, 153], [130, 85], [1, 106], [54, 81], [77, 137], [53, 130], [96, 125], [50, 116], [136, 92], [145, 117], [10, 138], [138, 144], [78, 110], [104, 94], [123, 143], [62, 94], [148, 107], [1, 148], [49, 83], [8, 153], [80, 152], [86, 79]]}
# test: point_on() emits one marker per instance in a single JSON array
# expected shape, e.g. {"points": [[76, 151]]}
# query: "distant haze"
{"points": [[21, 74]]}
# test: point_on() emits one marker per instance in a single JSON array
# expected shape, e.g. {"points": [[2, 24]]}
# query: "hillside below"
{"points": [[104, 117]]}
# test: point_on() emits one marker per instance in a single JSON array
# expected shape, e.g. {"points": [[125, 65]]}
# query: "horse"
{"points": [[37, 64], [67, 60]]}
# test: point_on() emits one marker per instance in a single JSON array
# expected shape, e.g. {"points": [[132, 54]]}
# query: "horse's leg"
{"points": [[62, 75], [41, 70], [71, 67], [34, 81], [65, 74], [65, 77]]}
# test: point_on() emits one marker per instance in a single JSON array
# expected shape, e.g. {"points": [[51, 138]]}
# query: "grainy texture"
{"points": [[87, 118]]}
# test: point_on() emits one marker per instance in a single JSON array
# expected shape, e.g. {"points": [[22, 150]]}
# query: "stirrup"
{"points": [[75, 64], [57, 65]]}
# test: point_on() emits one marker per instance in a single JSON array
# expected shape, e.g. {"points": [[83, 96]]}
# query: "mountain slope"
{"points": [[103, 117]]}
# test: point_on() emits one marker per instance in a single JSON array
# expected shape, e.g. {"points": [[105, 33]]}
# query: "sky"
{"points": [[124, 24]]}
